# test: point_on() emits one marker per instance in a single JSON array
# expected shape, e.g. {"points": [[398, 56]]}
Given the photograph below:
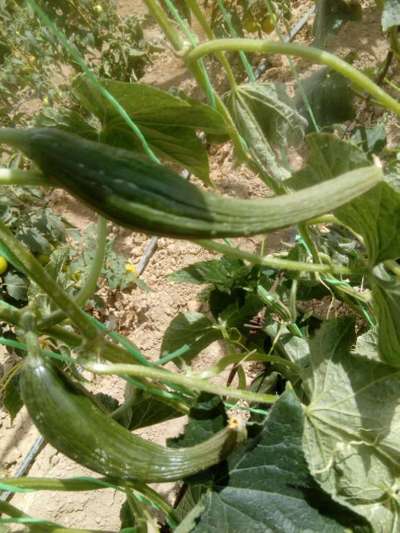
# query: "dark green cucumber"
{"points": [[136, 193], [71, 422]]}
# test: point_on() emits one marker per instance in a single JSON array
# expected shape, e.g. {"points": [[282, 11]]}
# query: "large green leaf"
{"points": [[147, 411], [190, 333], [352, 428], [266, 485], [274, 112], [328, 94], [206, 418], [327, 157], [391, 14], [375, 215], [265, 118], [386, 298], [169, 123]]}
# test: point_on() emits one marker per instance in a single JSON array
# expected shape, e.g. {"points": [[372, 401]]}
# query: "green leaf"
{"points": [[68, 120], [274, 111], [126, 516], [169, 123], [386, 299], [352, 429], [374, 215], [223, 273], [35, 241], [191, 332], [206, 417], [12, 397], [147, 411], [16, 286], [266, 485], [251, 126], [330, 16], [390, 14], [371, 140], [367, 345], [329, 95], [327, 157]]}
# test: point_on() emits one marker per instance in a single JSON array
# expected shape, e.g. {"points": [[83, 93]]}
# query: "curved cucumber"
{"points": [[136, 193], [70, 421]]}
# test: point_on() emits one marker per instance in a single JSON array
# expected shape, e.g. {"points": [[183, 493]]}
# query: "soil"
{"points": [[142, 316]]}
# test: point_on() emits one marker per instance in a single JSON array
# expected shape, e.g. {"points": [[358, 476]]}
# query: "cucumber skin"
{"points": [[134, 192], [69, 420]]}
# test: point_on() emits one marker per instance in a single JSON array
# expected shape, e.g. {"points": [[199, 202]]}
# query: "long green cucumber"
{"points": [[136, 193], [71, 422]]}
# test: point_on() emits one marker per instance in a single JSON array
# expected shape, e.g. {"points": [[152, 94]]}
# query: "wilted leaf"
{"points": [[68, 120], [352, 428], [249, 106]]}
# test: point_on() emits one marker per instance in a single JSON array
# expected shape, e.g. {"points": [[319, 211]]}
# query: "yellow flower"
{"points": [[130, 267]]}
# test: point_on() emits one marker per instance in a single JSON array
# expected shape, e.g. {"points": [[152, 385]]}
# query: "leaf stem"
{"points": [[273, 262], [178, 379], [198, 13], [314, 55]]}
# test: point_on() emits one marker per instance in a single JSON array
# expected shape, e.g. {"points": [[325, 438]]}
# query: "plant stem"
{"points": [[198, 13], [9, 314], [199, 74], [38, 274], [169, 377], [243, 358], [14, 176], [311, 54], [273, 262], [162, 20], [90, 284]]}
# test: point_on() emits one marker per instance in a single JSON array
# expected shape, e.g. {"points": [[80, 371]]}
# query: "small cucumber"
{"points": [[70, 421], [134, 192]]}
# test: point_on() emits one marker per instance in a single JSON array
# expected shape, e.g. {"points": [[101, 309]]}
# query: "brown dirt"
{"points": [[145, 316]]}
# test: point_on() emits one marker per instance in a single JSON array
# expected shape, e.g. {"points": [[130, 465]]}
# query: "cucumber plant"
{"points": [[318, 319]]}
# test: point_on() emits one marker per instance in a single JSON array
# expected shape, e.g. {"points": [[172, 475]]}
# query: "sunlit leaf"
{"points": [[352, 427]]}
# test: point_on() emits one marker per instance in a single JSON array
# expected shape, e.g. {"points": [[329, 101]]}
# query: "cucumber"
{"points": [[69, 420], [134, 192]]}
